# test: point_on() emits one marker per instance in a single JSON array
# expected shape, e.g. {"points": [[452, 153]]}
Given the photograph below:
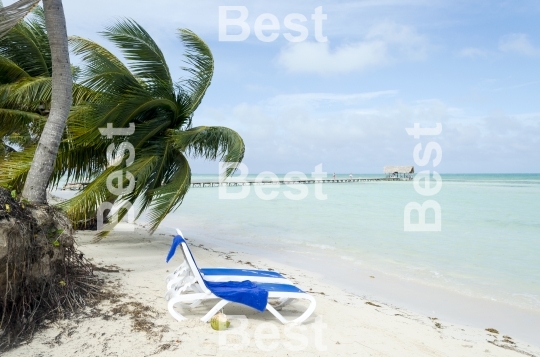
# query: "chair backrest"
{"points": [[188, 256]]}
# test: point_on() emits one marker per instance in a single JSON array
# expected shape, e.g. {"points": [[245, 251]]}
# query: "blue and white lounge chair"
{"points": [[196, 288], [183, 273]]}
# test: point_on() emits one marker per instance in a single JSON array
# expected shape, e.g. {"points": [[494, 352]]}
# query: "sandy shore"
{"points": [[136, 323]]}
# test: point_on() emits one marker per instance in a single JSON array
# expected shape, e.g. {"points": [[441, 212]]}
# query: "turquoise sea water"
{"points": [[489, 246]]}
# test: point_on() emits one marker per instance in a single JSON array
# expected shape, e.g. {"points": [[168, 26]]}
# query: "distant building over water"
{"points": [[399, 172]]}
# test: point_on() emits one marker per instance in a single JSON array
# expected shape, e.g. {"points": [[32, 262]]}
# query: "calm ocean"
{"points": [[489, 246]]}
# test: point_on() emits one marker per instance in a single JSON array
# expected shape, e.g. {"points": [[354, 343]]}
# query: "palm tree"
{"points": [[31, 265], [25, 96], [142, 93], [37, 178]]}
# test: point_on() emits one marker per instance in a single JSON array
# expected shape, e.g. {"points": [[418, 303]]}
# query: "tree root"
{"points": [[42, 275]]}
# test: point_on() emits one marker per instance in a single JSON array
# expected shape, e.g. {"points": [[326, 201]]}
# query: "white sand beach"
{"points": [[377, 154], [137, 322]]}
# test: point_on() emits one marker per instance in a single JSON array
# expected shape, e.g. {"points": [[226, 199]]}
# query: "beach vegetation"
{"points": [[47, 56], [26, 99], [49, 131], [109, 92], [39, 279], [141, 92]]}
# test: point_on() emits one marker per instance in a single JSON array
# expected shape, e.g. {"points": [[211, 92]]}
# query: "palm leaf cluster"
{"points": [[11, 15], [25, 86], [25, 96], [141, 93]]}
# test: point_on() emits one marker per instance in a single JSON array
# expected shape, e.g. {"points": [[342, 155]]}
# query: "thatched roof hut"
{"points": [[399, 169], [399, 172]]}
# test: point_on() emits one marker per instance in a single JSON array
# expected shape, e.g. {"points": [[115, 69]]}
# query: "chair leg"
{"points": [[188, 284], [276, 314], [195, 303], [179, 271], [299, 319], [308, 312], [214, 310], [195, 298], [177, 281], [282, 302]]}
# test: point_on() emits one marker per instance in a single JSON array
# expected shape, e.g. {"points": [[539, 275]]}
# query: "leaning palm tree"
{"points": [[112, 93], [25, 97], [32, 267], [44, 158], [35, 188], [141, 93]]}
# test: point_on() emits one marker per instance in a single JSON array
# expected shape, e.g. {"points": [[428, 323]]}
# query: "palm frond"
{"points": [[29, 93], [85, 205], [103, 71], [135, 107], [146, 59], [12, 14], [37, 18], [10, 72], [209, 142], [83, 94], [79, 163], [35, 25], [201, 66], [141, 169], [170, 195], [148, 130], [25, 46], [125, 110], [144, 170], [14, 170], [18, 121]]}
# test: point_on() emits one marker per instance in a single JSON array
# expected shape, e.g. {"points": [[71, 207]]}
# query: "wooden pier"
{"points": [[292, 182], [77, 186]]}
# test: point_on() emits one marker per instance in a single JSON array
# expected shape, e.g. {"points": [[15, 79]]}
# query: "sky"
{"points": [[346, 103]]}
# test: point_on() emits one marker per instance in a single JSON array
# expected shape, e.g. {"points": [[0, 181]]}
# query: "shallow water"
{"points": [[489, 245]]}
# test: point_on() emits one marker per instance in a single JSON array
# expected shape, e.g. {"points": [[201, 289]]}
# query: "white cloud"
{"points": [[317, 57], [518, 43], [472, 52], [403, 42], [305, 99], [369, 134], [383, 44]]}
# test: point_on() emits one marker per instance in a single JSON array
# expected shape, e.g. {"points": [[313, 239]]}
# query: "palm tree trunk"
{"points": [[35, 188]]}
